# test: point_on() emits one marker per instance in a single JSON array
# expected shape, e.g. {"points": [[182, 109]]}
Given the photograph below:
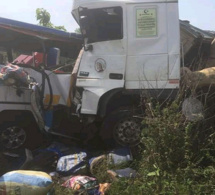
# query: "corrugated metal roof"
{"points": [[42, 31], [24, 36], [196, 32]]}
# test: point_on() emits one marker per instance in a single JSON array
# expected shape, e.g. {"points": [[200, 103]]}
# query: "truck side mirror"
{"points": [[88, 48], [83, 11], [84, 25]]}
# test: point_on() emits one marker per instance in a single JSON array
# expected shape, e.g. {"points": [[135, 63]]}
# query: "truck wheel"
{"points": [[123, 127], [12, 136], [127, 131]]}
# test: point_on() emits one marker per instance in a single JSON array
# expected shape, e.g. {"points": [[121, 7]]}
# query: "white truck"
{"points": [[131, 50]]}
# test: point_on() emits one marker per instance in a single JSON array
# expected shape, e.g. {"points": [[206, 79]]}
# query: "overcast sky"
{"points": [[200, 13]]}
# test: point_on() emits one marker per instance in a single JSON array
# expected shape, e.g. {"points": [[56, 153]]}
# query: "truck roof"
{"points": [[77, 3]]}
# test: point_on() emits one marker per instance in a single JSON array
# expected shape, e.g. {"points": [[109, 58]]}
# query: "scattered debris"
{"points": [[83, 184], [115, 157], [193, 109], [95, 162], [25, 182], [72, 164], [127, 172], [14, 75], [70, 167], [103, 187], [120, 155]]}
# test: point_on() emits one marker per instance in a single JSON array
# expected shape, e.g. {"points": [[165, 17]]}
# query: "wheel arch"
{"points": [[16, 115], [115, 99]]}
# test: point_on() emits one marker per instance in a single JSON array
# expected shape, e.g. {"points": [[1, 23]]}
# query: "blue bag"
{"points": [[72, 164]]}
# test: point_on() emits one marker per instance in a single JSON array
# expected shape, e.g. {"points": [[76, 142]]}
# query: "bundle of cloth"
{"points": [[14, 75], [198, 79]]}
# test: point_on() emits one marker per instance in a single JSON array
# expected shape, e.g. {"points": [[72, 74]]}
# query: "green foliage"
{"points": [[62, 190], [60, 28], [177, 157], [44, 18], [78, 30]]}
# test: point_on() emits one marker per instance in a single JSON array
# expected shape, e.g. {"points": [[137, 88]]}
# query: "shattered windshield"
{"points": [[102, 24]]}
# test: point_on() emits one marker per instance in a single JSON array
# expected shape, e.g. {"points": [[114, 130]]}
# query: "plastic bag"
{"points": [[83, 183], [25, 183], [72, 164]]}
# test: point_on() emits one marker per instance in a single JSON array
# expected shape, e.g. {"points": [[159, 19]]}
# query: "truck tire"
{"points": [[19, 129], [12, 135], [122, 127]]}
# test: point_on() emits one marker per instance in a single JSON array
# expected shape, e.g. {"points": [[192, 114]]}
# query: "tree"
{"points": [[78, 30], [60, 28], [44, 18]]}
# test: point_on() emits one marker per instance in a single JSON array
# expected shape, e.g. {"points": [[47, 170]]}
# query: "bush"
{"points": [[177, 157]]}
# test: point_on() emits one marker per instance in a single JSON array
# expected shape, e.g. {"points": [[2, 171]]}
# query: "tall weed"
{"points": [[177, 157]]}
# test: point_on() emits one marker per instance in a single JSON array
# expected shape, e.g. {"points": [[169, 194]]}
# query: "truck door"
{"points": [[104, 33], [102, 68], [147, 54]]}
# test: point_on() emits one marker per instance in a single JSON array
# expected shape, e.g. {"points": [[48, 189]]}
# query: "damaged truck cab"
{"points": [[129, 46], [131, 49]]}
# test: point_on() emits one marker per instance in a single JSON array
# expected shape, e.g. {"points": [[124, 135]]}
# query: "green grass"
{"points": [[177, 157]]}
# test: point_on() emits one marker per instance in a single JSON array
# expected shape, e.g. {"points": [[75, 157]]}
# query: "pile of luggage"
{"points": [[69, 167]]}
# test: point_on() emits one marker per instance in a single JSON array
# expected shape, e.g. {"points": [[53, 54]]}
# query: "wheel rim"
{"points": [[13, 137], [127, 132]]}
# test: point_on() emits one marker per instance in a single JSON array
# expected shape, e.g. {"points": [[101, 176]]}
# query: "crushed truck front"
{"points": [[129, 45]]}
